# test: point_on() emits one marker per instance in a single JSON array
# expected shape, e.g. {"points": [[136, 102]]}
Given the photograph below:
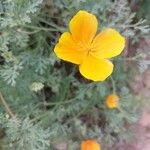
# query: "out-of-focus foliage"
{"points": [[52, 102], [144, 8], [22, 134]]}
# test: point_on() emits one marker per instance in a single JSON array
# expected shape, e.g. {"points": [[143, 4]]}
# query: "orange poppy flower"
{"points": [[112, 101], [90, 145], [91, 52]]}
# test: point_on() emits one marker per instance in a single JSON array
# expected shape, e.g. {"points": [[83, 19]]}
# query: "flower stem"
{"points": [[40, 28], [8, 109], [113, 84]]}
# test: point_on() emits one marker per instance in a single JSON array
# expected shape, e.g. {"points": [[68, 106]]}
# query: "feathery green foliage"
{"points": [[52, 102]]}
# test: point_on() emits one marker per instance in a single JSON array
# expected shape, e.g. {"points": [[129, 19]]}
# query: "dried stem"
{"points": [[9, 111]]}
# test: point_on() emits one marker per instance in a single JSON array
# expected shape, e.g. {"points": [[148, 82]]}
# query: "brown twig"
{"points": [[9, 111]]}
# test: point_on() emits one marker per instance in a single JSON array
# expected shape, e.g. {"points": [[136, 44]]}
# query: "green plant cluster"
{"points": [[52, 103]]}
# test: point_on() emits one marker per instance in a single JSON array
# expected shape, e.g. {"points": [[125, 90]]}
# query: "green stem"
{"points": [[113, 84], [41, 116], [40, 28], [61, 102], [52, 24]]}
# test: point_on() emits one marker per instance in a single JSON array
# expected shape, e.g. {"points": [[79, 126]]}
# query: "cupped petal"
{"points": [[68, 50], [90, 145], [96, 69], [108, 43], [83, 27]]}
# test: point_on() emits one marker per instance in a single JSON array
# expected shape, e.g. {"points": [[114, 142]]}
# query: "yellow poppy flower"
{"points": [[112, 101], [91, 52], [90, 145]]}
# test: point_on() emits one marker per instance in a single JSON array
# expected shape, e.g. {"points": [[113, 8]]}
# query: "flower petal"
{"points": [[96, 69], [83, 27], [108, 43], [67, 49]]}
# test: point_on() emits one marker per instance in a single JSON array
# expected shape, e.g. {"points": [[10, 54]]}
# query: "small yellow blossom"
{"points": [[90, 145], [112, 101], [91, 52]]}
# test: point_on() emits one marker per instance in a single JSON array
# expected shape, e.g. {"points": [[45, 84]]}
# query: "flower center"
{"points": [[86, 47]]}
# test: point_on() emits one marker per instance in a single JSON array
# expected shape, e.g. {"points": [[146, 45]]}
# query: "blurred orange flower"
{"points": [[90, 145], [90, 51], [112, 101]]}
